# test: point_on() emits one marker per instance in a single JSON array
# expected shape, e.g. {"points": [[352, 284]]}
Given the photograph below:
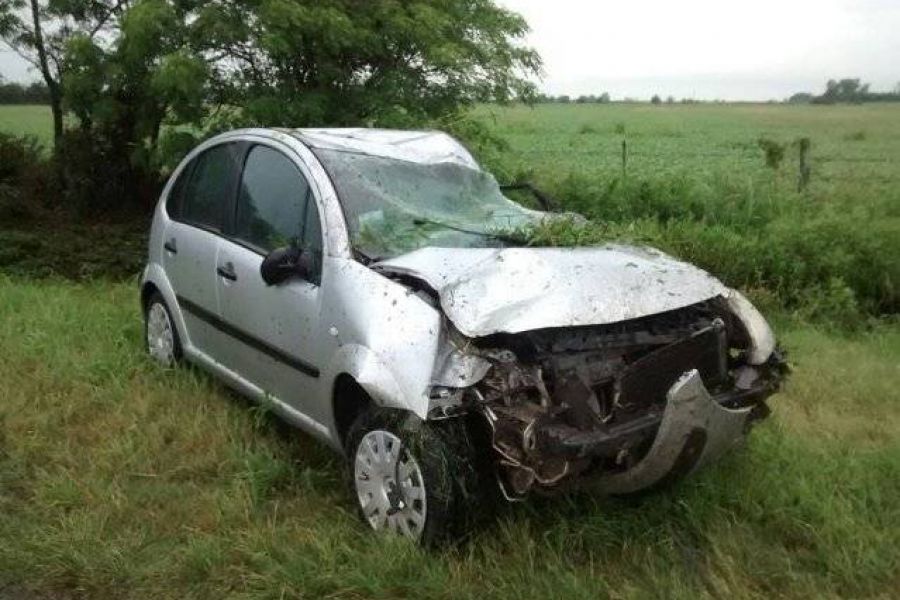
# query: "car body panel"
{"points": [[489, 290]]}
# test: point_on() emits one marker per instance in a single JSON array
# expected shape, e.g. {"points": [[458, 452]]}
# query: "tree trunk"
{"points": [[52, 84]]}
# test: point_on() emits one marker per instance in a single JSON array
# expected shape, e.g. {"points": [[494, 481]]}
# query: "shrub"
{"points": [[773, 152], [24, 178], [17, 156]]}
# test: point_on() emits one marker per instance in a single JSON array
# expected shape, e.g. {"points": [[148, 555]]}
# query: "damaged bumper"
{"points": [[694, 429], [688, 404]]}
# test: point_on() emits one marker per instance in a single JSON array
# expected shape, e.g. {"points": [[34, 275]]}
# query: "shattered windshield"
{"points": [[396, 206]]}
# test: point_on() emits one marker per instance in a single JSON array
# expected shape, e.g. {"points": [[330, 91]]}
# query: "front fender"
{"points": [[375, 377]]}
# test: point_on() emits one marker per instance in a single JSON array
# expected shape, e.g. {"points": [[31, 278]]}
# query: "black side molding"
{"points": [[245, 338]]}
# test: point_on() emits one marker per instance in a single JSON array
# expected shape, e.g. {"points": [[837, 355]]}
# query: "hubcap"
{"points": [[389, 484], [160, 335]]}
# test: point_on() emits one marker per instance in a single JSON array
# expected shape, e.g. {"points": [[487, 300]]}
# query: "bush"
{"points": [[18, 155], [100, 178], [25, 177]]}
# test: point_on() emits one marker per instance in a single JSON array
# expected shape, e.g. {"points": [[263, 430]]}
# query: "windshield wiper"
{"points": [[497, 236]]}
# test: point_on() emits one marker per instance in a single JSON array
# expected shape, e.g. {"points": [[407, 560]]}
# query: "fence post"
{"points": [[805, 171], [624, 160]]}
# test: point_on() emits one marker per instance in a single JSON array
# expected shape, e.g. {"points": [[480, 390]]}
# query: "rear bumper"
{"points": [[693, 429]]}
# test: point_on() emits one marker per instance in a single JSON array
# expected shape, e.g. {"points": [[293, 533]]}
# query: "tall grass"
{"points": [[119, 479], [697, 184]]}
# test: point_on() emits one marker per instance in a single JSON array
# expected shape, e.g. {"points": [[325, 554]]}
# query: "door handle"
{"points": [[171, 246], [227, 272]]}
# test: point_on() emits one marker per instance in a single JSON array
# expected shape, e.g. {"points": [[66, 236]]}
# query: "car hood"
{"points": [[491, 290]]}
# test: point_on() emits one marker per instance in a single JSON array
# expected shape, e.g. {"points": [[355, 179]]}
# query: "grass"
{"points": [[27, 119], [696, 184], [120, 479]]}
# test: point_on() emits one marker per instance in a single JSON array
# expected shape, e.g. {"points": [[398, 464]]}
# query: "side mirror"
{"points": [[282, 264]]}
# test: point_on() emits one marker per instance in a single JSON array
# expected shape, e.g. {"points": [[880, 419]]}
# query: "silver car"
{"points": [[373, 288]]}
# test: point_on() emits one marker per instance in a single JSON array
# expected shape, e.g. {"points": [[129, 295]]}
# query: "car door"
{"points": [[198, 205], [277, 328]]}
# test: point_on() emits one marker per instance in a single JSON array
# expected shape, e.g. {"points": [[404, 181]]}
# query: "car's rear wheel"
{"points": [[418, 479], [160, 334]]}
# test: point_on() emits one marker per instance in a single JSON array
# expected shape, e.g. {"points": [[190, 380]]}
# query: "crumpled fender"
{"points": [[375, 377]]}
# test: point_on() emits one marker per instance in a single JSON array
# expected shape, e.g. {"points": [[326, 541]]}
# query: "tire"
{"points": [[453, 482], [160, 334]]}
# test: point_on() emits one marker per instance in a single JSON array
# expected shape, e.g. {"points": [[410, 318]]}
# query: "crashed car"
{"points": [[363, 284]]}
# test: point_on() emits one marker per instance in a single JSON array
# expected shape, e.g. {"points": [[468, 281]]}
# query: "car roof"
{"points": [[420, 146]]}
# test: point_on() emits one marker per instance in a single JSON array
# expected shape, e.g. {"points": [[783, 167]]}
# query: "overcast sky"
{"points": [[706, 49], [729, 49]]}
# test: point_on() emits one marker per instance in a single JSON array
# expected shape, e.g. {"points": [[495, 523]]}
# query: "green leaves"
{"points": [[180, 82]]}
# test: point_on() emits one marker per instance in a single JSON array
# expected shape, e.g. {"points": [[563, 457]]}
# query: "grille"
{"points": [[646, 381]]}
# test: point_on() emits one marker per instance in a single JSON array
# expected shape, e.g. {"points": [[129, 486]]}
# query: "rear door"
{"points": [[279, 342], [198, 206]]}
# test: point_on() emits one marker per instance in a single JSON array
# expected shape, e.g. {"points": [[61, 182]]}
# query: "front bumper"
{"points": [[693, 429]]}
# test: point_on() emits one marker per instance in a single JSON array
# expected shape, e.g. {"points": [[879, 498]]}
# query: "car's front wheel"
{"points": [[160, 334], [418, 479]]}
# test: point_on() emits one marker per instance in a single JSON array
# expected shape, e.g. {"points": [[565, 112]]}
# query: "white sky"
{"points": [[707, 49], [729, 49]]}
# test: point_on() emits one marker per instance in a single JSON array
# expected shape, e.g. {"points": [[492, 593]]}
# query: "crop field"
{"points": [[119, 479]]}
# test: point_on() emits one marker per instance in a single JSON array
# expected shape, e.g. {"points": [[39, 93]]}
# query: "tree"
{"points": [[844, 90], [132, 71], [345, 62], [40, 31], [656, 99], [27, 37], [800, 98]]}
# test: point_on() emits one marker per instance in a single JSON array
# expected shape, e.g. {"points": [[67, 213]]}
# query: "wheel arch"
{"points": [[349, 400], [373, 384], [155, 280]]}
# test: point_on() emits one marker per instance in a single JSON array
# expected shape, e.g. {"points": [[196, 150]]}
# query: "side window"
{"points": [[173, 201], [276, 207], [208, 190]]}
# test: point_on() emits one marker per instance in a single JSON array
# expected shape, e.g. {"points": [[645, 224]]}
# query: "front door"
{"points": [[275, 328]]}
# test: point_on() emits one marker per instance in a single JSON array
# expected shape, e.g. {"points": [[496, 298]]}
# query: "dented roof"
{"points": [[426, 147]]}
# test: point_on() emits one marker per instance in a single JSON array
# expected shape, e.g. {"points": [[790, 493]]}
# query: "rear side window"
{"points": [[207, 192], [276, 207], [173, 201]]}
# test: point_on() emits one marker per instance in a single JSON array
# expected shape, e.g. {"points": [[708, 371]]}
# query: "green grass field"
{"points": [[35, 121], [122, 480]]}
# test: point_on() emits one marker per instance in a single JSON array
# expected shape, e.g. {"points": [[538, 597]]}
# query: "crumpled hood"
{"points": [[491, 290]]}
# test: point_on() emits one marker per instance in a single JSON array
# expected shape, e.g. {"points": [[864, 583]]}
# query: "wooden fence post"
{"points": [[805, 171]]}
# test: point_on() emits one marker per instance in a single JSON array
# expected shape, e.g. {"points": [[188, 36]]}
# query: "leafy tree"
{"points": [[343, 62], [132, 72], [40, 31], [656, 99]]}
